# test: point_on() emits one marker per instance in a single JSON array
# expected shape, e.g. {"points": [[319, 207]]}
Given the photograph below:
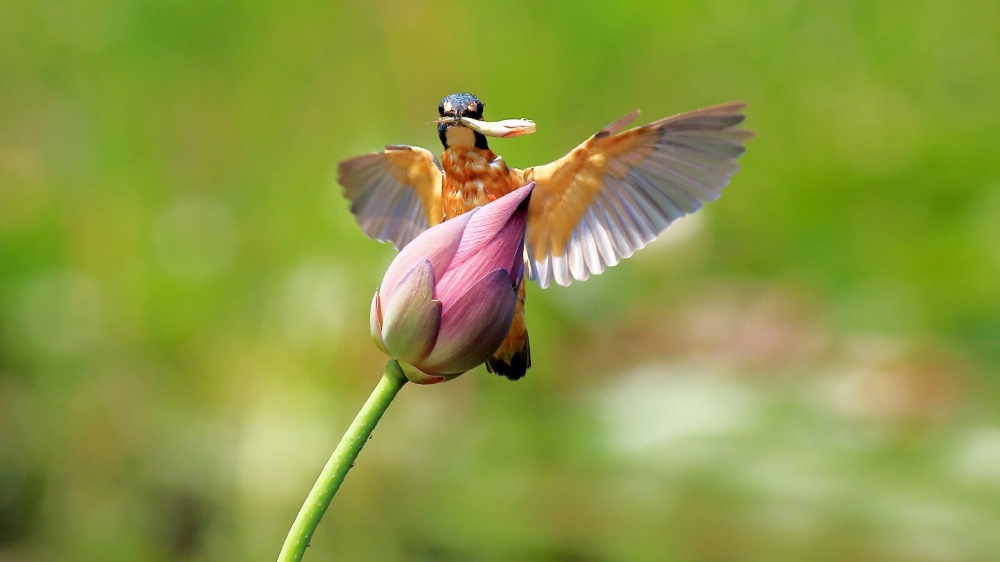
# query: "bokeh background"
{"points": [[806, 370]]}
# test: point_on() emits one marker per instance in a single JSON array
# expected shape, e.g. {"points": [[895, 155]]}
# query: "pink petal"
{"points": [[489, 221], [493, 239], [473, 326], [417, 376], [375, 323], [437, 245], [412, 317]]}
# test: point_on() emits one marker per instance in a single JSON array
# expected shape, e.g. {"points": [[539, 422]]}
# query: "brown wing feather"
{"points": [[396, 194], [615, 193]]}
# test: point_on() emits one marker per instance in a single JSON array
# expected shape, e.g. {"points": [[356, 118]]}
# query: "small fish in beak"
{"points": [[504, 129]]}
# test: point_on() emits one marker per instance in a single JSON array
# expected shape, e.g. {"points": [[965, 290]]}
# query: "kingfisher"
{"points": [[608, 197]]}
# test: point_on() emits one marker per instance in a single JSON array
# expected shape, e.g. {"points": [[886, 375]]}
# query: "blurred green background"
{"points": [[806, 370]]}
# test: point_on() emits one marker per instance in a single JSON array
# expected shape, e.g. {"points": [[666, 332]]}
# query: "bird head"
{"points": [[451, 130], [460, 123]]}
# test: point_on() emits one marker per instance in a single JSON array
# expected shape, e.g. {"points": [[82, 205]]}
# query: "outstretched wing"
{"points": [[395, 194], [615, 193]]}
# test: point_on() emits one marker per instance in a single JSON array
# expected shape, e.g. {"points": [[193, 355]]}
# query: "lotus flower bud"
{"points": [[447, 301]]}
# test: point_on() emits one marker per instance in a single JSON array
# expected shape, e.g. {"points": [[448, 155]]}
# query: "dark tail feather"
{"points": [[518, 365]]}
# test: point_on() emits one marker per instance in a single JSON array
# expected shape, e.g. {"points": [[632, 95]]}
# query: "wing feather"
{"points": [[618, 191], [395, 194]]}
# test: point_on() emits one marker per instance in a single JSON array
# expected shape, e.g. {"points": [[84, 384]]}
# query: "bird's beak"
{"points": [[448, 120], [503, 129]]}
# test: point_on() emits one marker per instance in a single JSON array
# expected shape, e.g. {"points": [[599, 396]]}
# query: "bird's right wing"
{"points": [[396, 194], [616, 192]]}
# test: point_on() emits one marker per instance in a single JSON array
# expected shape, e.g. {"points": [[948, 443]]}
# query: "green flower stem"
{"points": [[340, 462]]}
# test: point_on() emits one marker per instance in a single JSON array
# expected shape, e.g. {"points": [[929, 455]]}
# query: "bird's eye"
{"points": [[440, 110]]}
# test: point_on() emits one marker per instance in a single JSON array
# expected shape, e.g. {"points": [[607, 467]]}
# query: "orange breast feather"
{"points": [[473, 178]]}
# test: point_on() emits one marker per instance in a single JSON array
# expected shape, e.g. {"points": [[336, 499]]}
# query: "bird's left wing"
{"points": [[615, 193], [395, 194]]}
